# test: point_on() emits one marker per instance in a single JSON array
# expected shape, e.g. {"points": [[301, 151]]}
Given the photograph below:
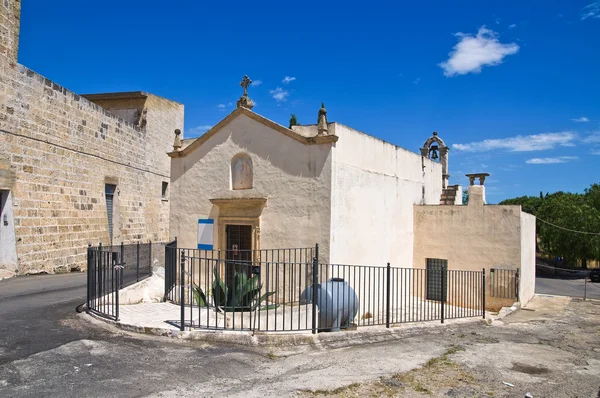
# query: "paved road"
{"points": [[567, 287], [48, 350]]}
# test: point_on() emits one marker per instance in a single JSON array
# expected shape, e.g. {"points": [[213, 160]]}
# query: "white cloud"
{"points": [[417, 80], [582, 119], [198, 130], [512, 26], [593, 138], [256, 83], [521, 143], [221, 106], [279, 94], [288, 79], [474, 52], [591, 11], [596, 152], [560, 159]]}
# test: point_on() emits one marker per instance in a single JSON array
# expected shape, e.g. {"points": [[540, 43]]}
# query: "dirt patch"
{"points": [[528, 369], [440, 376]]}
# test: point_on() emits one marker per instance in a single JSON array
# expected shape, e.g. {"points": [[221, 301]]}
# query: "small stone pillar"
{"points": [[477, 192], [177, 142], [322, 128]]}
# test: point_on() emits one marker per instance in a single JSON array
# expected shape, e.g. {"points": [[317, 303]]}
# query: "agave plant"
{"points": [[242, 294]]}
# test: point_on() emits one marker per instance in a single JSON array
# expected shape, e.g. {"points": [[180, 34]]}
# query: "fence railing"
{"points": [[504, 283], [289, 290], [111, 268]]}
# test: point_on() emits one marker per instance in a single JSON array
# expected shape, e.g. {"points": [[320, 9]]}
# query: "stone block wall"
{"points": [[10, 21], [61, 149]]}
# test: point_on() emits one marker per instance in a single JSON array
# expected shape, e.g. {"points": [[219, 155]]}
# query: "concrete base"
{"points": [[5, 274]]}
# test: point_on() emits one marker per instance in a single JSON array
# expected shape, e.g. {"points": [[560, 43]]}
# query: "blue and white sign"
{"points": [[205, 234]]}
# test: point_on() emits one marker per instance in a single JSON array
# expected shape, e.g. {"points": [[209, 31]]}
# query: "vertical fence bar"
{"points": [[182, 291], [116, 271], [122, 263], [149, 257], [443, 294], [517, 277], [387, 298], [89, 274], [315, 283], [137, 262], [483, 294]]}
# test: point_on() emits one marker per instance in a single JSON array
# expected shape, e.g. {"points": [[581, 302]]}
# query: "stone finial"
{"points": [[244, 100], [322, 121], [177, 142]]}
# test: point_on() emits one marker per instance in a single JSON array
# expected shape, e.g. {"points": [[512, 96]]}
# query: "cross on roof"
{"points": [[245, 83]]}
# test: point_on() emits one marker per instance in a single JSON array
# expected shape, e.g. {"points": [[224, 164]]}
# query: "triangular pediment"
{"points": [[258, 118]]}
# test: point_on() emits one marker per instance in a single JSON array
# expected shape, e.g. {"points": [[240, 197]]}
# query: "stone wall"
{"points": [[61, 149], [10, 21]]}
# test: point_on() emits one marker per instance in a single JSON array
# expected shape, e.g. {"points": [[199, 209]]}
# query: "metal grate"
{"points": [[437, 280]]}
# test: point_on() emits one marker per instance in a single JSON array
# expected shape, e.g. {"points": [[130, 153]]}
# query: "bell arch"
{"points": [[430, 149]]}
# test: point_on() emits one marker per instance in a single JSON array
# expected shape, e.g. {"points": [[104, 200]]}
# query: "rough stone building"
{"points": [[76, 169]]}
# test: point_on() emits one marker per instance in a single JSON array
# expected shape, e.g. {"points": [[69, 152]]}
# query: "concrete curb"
{"points": [[293, 343]]}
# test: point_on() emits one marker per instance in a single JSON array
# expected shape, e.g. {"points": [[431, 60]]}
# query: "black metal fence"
{"points": [[111, 268], [504, 283], [289, 290]]}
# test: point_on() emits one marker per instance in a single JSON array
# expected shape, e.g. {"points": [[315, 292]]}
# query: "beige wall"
{"points": [[374, 187], [293, 177], [527, 281], [475, 237], [61, 149]]}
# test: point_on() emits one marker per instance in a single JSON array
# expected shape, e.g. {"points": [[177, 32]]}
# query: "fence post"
{"points": [[387, 296], [89, 274], [517, 276], [122, 268], [585, 288], [150, 257], [315, 293], [483, 295], [100, 279], [117, 271], [443, 294], [182, 291], [137, 262]]}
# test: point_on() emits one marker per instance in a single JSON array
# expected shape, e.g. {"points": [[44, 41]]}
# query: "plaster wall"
{"points": [[374, 187], [294, 178], [472, 238], [527, 281]]}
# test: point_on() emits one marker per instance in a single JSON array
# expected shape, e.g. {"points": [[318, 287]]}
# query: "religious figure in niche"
{"points": [[241, 172]]}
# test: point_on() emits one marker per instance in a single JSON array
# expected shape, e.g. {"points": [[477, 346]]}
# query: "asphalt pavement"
{"points": [[568, 287], [48, 350]]}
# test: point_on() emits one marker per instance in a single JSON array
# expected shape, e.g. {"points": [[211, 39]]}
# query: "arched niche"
{"points": [[242, 172]]}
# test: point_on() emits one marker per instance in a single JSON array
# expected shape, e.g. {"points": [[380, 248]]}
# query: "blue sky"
{"points": [[513, 86]]}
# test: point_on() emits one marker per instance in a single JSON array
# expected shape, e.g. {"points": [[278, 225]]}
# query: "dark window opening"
{"points": [[164, 191], [109, 193]]}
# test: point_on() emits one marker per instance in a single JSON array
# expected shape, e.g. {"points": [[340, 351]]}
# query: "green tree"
{"points": [[293, 120], [465, 194], [570, 215]]}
